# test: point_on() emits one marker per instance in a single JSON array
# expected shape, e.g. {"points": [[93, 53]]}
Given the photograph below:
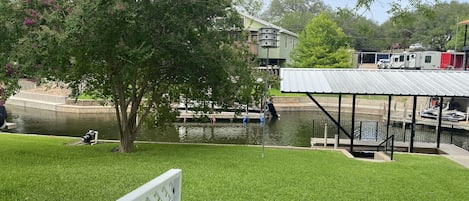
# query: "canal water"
{"points": [[291, 129]]}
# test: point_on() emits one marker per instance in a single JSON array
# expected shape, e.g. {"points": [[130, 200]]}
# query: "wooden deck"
{"points": [[224, 116], [346, 142]]}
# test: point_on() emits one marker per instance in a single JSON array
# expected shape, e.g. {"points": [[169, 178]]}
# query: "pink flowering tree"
{"points": [[9, 32], [21, 24], [142, 55]]}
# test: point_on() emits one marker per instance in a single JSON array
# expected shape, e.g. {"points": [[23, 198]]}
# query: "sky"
{"points": [[377, 12]]}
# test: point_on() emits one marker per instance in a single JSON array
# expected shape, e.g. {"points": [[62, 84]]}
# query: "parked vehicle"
{"points": [[416, 46], [427, 60], [383, 64]]}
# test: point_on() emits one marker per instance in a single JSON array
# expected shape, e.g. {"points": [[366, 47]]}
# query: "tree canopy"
{"points": [[250, 7], [322, 45], [142, 55], [293, 15], [429, 22]]}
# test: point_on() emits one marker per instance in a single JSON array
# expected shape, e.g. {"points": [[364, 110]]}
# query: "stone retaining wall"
{"points": [[55, 99]]}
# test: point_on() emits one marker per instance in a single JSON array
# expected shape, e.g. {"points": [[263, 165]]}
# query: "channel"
{"points": [[293, 128]]}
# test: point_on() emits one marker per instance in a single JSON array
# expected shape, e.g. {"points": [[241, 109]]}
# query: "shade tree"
{"points": [[143, 55]]}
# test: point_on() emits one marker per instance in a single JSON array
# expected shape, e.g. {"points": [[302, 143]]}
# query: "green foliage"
{"points": [[293, 15], [431, 23], [322, 45], [358, 29], [44, 168], [11, 28], [250, 7], [141, 55]]}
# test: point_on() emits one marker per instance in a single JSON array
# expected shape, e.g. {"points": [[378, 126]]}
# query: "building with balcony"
{"points": [[279, 56]]}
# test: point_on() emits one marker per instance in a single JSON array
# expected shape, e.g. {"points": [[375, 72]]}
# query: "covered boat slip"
{"points": [[389, 83]]}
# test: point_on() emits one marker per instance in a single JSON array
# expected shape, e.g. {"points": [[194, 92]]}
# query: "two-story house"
{"points": [[279, 56]]}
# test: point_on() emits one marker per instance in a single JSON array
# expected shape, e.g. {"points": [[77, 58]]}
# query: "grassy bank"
{"points": [[44, 168]]}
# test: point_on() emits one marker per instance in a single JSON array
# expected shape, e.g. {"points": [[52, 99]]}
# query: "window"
{"points": [[428, 59], [254, 37]]}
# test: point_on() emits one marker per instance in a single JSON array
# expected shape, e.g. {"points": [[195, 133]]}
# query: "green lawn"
{"points": [[44, 168], [278, 93]]}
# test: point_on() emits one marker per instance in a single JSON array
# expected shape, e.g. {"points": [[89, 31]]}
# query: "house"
{"points": [[279, 56]]}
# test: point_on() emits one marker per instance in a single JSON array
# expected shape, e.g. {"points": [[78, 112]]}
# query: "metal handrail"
{"points": [[385, 149]]}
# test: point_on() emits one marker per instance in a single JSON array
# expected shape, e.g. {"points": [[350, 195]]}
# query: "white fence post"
{"points": [[325, 134], [166, 187], [336, 139]]}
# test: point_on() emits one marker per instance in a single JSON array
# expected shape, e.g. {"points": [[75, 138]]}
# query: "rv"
{"points": [[427, 60]]}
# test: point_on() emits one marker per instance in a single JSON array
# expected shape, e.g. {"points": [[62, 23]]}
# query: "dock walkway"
{"points": [[452, 152]]}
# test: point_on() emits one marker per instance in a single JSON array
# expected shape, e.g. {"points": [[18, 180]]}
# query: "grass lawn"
{"points": [[278, 93], [44, 168]]}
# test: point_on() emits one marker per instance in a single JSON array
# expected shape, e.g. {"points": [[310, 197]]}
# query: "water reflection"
{"points": [[36, 121], [292, 129]]}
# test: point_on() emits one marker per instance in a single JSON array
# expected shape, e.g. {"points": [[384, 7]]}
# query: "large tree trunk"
{"points": [[127, 142], [128, 132], [127, 127]]}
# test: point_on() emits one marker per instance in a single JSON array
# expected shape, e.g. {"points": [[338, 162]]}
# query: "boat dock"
{"points": [[223, 116], [229, 116], [450, 151]]}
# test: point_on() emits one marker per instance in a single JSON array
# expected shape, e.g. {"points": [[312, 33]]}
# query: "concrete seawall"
{"points": [[331, 104], [55, 103], [62, 103]]}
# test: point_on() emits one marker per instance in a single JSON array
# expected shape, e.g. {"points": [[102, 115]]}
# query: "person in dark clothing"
{"points": [[3, 117]]}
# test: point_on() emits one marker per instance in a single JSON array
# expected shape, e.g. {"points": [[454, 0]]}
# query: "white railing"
{"points": [[166, 187]]}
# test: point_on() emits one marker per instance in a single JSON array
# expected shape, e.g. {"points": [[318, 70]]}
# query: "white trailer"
{"points": [[427, 60]]}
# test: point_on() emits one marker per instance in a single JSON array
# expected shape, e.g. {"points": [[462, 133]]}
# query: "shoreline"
{"points": [[55, 97], [61, 103]]}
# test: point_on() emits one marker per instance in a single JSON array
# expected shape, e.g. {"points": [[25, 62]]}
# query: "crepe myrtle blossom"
{"points": [[8, 69], [33, 13], [28, 21]]}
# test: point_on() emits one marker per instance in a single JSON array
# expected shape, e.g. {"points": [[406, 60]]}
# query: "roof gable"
{"points": [[264, 23]]}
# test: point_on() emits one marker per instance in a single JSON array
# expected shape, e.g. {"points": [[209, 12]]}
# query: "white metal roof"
{"points": [[268, 24], [375, 82]]}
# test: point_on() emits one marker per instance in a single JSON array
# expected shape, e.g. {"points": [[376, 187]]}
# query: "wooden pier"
{"points": [[329, 142], [223, 116]]}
